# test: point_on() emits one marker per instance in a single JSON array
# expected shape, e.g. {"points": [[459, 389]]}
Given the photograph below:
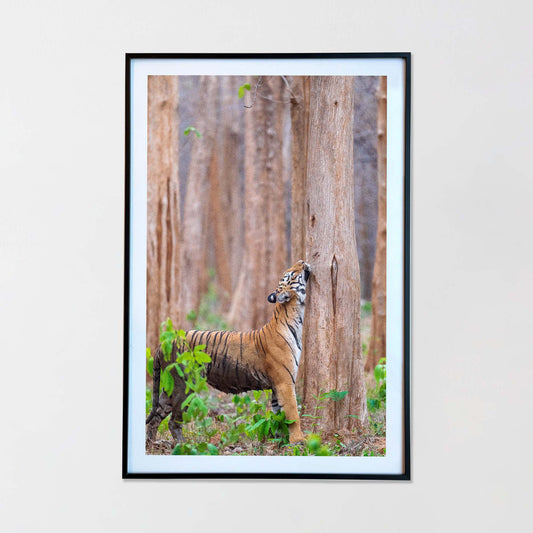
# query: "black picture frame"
{"points": [[127, 473]]}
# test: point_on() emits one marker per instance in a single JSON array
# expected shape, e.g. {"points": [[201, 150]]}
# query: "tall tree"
{"points": [[265, 249], [366, 183], [163, 205], [193, 267], [378, 334], [226, 209], [332, 341], [300, 87], [299, 109]]}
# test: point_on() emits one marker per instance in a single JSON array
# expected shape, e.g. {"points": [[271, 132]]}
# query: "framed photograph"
{"points": [[267, 266]]}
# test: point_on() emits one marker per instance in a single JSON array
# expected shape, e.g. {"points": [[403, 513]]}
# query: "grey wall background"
{"points": [[61, 224]]}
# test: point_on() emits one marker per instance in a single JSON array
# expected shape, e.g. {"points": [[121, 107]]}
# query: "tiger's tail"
{"points": [[155, 384]]}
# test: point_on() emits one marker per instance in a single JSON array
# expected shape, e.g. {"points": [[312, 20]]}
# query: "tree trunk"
{"points": [[163, 209], [193, 269], [378, 333], [366, 183], [332, 341], [300, 87], [265, 250], [226, 211]]}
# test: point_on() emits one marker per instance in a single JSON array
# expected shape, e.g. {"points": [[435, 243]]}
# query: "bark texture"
{"points": [[163, 209], [332, 343], [378, 335], [194, 242], [300, 87], [226, 209], [299, 110], [366, 183], [265, 249]]}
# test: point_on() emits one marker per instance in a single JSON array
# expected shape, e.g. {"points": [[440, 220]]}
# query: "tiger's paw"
{"points": [[298, 438]]}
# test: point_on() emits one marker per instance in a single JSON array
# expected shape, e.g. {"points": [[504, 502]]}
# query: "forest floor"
{"points": [[229, 415]]}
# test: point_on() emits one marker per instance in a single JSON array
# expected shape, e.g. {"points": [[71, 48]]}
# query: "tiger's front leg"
{"points": [[286, 397]]}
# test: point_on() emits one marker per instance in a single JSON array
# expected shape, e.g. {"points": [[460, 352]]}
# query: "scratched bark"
{"points": [[163, 205], [378, 335], [332, 343]]}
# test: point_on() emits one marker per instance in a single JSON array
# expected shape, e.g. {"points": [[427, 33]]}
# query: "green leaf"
{"points": [[188, 130], [336, 395], [313, 443], [191, 315], [202, 447], [202, 357], [185, 357], [323, 451], [250, 429], [167, 381], [177, 450], [150, 366], [242, 88], [202, 406], [213, 450], [373, 404], [163, 426], [167, 336], [188, 400], [379, 373], [166, 346]]}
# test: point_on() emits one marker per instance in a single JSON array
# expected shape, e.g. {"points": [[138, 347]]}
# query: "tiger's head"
{"points": [[292, 284]]}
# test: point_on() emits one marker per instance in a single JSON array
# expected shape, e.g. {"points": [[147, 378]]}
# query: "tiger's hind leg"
{"points": [[274, 403], [162, 411], [176, 419]]}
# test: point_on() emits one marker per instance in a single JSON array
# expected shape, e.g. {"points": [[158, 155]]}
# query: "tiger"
{"points": [[260, 359]]}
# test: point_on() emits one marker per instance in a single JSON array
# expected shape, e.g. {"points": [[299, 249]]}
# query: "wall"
{"points": [[61, 220]]}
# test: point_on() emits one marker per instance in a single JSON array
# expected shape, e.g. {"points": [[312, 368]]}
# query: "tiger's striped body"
{"points": [[266, 358]]}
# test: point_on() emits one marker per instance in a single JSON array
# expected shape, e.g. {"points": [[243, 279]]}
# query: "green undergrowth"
{"points": [[223, 424]]}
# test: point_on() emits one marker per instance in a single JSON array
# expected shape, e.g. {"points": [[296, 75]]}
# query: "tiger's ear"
{"points": [[272, 298]]}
